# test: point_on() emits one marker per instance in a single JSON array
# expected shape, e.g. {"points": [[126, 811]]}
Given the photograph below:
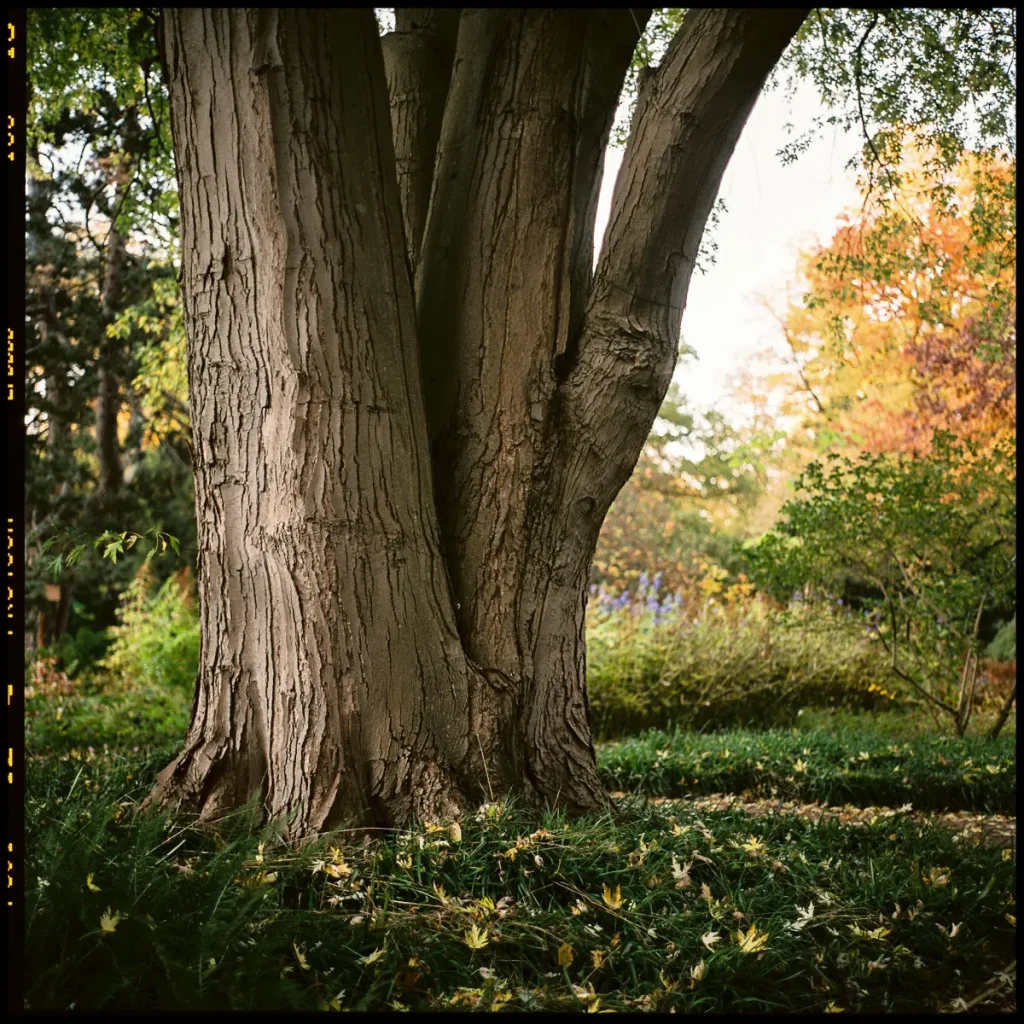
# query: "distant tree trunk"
{"points": [[108, 398], [400, 482]]}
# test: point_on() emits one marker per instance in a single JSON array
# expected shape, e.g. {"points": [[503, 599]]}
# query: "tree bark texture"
{"points": [[413, 402]]}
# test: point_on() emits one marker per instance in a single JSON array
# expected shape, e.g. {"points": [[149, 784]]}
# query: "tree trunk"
{"points": [[400, 482], [108, 399]]}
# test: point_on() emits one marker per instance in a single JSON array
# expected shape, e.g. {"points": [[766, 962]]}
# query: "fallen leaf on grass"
{"points": [[750, 942], [109, 922], [613, 900]]}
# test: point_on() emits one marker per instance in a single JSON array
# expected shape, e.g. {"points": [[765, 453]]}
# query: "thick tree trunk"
{"points": [[331, 678], [393, 571]]}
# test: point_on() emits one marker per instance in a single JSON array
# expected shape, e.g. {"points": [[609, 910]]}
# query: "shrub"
{"points": [[735, 661], [1004, 644], [934, 536], [156, 643]]}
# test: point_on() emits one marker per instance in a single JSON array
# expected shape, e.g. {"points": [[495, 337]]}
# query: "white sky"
{"points": [[773, 212]]}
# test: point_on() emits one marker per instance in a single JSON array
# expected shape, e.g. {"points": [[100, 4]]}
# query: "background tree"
{"points": [[908, 322], [103, 315]]}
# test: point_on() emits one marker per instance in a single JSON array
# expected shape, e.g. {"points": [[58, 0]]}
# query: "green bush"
{"points": [[830, 766], [139, 718], [1004, 644], [651, 667], [157, 641], [648, 909], [934, 537]]}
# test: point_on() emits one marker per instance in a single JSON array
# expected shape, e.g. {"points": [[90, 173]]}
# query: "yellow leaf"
{"points": [[565, 955], [749, 941], [597, 958], [338, 869], [301, 957], [705, 891], [109, 922], [475, 938], [89, 884], [832, 1008], [374, 956], [441, 894], [698, 971], [1012, 919], [754, 847], [710, 939], [455, 832], [612, 899]]}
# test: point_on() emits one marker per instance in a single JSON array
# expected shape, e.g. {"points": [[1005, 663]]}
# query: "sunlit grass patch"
{"points": [[832, 766]]}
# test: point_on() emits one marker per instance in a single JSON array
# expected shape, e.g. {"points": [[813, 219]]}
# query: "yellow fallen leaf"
{"points": [[109, 922], [754, 846], [705, 891], [374, 956], [565, 955], [301, 957], [1012, 919], [597, 958], [89, 884], [455, 832], [698, 971], [612, 899], [475, 938], [749, 941], [832, 1008], [710, 938]]}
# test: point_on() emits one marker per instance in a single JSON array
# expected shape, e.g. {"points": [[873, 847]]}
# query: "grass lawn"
{"points": [[651, 907]]}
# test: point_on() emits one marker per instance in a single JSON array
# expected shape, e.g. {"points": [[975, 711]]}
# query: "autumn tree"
{"points": [[907, 325], [413, 396]]}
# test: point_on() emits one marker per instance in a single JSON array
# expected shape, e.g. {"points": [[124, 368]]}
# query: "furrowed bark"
{"points": [[418, 59], [503, 275], [689, 115], [331, 679]]}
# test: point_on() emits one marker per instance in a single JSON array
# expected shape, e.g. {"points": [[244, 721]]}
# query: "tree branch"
{"points": [[418, 58]]}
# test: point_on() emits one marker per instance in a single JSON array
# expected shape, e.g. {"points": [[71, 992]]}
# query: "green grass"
{"points": [[834, 766], [210, 919], [141, 718], [906, 721]]}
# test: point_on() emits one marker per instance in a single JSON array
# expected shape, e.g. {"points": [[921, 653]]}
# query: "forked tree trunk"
{"points": [[400, 481]]}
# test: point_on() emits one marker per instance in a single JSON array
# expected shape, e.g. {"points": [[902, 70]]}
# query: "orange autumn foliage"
{"points": [[908, 324]]}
